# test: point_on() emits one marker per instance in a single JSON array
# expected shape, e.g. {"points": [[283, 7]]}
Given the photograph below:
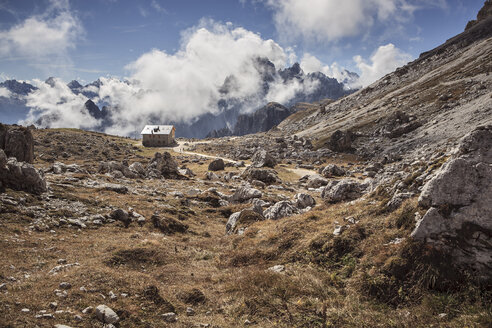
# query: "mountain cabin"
{"points": [[158, 135]]}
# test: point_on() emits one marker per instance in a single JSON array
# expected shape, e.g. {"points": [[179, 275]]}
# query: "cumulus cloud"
{"points": [[331, 20], [43, 38], [4, 92], [385, 60], [310, 63], [58, 107], [186, 84]]}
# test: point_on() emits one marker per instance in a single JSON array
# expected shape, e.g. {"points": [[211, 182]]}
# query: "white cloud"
{"points": [[181, 86], [310, 64], [157, 7], [43, 38], [385, 60], [58, 107], [331, 20], [4, 92]]}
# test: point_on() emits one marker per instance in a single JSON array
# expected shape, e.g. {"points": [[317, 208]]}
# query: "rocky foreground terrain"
{"points": [[371, 211]]}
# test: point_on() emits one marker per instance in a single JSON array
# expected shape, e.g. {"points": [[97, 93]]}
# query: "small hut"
{"points": [[158, 135]]}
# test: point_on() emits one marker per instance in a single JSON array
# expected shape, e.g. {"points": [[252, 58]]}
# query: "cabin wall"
{"points": [[158, 140]]}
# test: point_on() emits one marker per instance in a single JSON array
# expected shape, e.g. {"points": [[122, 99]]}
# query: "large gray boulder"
{"points": [[459, 202], [263, 159], [303, 201], [341, 141], [280, 210], [267, 176], [21, 175], [343, 190], [241, 220], [162, 165], [216, 165], [332, 170], [244, 194], [17, 141]]}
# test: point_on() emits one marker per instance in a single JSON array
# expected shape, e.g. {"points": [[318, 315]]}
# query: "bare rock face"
{"points": [[398, 124], [341, 141], [342, 190], [263, 159], [216, 165], [459, 202], [162, 165], [17, 141], [21, 175]]}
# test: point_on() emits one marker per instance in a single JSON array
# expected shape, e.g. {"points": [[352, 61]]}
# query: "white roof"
{"points": [[157, 129]]}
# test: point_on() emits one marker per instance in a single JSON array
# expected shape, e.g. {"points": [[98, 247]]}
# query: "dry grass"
{"points": [[357, 279]]}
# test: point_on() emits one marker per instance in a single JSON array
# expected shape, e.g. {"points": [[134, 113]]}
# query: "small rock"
{"points": [[277, 268], [170, 317], [106, 315], [338, 230], [190, 312], [88, 309], [65, 285]]}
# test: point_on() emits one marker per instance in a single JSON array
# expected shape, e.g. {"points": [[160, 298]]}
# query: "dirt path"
{"points": [[180, 149]]}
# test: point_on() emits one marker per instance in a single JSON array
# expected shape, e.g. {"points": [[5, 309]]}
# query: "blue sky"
{"points": [[105, 36]]}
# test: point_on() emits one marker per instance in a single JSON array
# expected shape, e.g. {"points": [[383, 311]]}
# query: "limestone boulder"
{"points": [[162, 165], [459, 203], [332, 170], [343, 190], [267, 176], [17, 142], [21, 175], [280, 210], [216, 165], [263, 159], [244, 194], [341, 141], [304, 200]]}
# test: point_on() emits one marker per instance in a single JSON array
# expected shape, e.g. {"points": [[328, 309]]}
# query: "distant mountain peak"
{"points": [[74, 84], [51, 81]]}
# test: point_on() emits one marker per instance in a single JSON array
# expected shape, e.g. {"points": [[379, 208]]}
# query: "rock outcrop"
{"points": [[162, 165], [20, 175], [341, 141], [459, 202], [263, 159], [267, 176], [245, 193], [17, 141], [280, 210], [342, 190], [216, 165]]}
